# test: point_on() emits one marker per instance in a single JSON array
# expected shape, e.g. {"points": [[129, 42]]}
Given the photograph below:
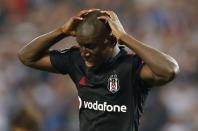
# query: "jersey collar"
{"points": [[108, 63]]}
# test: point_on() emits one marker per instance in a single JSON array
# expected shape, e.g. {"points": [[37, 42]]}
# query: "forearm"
{"points": [[40, 45], [161, 64]]}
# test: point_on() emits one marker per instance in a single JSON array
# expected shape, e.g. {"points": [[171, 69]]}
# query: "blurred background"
{"points": [[36, 100]]}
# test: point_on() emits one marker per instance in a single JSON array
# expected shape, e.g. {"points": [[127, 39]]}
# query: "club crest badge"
{"points": [[113, 83]]}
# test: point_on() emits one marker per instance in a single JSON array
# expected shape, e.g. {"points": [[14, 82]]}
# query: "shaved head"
{"points": [[91, 27], [95, 39]]}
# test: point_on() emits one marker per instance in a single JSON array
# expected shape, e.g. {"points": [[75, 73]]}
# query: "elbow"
{"points": [[172, 72], [23, 58]]}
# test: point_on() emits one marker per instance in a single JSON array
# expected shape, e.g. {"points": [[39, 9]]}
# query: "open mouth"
{"points": [[89, 64]]}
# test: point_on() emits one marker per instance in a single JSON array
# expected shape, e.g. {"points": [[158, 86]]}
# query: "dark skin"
{"points": [[91, 49], [159, 68]]}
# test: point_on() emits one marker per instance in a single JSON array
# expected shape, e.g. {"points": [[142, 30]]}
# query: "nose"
{"points": [[85, 52]]}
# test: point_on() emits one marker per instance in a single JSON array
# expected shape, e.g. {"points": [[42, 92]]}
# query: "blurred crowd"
{"points": [[34, 100]]}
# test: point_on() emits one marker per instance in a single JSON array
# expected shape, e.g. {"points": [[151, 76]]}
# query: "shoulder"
{"points": [[128, 56], [73, 49], [67, 54], [133, 58], [64, 59]]}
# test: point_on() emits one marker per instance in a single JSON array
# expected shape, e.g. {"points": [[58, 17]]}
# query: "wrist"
{"points": [[127, 40], [123, 37], [58, 34], [63, 32]]}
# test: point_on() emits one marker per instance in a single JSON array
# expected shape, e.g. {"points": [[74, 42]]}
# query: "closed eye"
{"points": [[90, 46]]}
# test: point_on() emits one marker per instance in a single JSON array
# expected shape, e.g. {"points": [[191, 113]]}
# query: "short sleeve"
{"points": [[60, 60], [142, 86]]}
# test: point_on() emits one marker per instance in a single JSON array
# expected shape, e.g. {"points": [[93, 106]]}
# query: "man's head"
{"points": [[95, 39]]}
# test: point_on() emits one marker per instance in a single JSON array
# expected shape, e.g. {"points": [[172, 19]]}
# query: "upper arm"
{"points": [[44, 63], [52, 61], [147, 75]]}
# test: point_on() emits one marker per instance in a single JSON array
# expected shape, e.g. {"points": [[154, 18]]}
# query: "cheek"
{"points": [[107, 52], [98, 53]]}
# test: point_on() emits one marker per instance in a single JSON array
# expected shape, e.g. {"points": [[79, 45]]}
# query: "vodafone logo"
{"points": [[101, 106], [80, 102]]}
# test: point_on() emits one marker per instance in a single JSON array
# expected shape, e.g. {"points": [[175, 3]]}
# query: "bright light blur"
{"points": [[50, 102]]}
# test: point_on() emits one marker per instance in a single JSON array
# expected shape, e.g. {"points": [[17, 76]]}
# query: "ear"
{"points": [[113, 41]]}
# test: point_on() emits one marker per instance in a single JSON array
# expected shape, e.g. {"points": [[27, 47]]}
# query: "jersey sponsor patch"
{"points": [[101, 106], [113, 83]]}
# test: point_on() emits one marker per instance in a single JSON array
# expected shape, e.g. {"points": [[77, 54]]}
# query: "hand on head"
{"points": [[114, 23], [69, 28]]}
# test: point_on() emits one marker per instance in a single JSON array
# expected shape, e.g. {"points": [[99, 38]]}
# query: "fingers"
{"points": [[83, 13], [77, 18], [106, 12], [104, 18], [74, 20], [111, 14], [106, 15], [94, 9]]}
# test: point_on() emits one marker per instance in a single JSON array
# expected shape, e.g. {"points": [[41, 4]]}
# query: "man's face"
{"points": [[96, 50]]}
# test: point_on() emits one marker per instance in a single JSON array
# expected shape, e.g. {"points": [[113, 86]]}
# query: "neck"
{"points": [[116, 50]]}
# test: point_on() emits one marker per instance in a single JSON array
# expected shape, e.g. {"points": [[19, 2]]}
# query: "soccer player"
{"points": [[112, 84]]}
